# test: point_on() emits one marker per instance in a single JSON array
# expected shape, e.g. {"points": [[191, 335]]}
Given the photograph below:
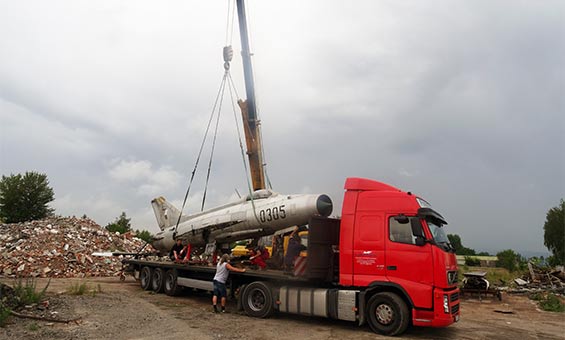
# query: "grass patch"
{"points": [[26, 292], [549, 302], [33, 326], [4, 314], [77, 288], [81, 288]]}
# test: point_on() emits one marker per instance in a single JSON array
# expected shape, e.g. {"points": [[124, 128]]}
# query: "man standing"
{"points": [[222, 272]]}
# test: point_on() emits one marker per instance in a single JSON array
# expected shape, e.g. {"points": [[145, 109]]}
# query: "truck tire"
{"points": [[387, 314], [257, 300], [145, 277], [158, 280], [170, 285]]}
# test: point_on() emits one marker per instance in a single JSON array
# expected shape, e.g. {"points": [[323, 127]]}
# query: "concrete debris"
{"points": [[541, 279], [62, 247]]}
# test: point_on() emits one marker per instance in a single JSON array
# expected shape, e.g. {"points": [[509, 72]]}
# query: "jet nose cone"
{"points": [[324, 205]]}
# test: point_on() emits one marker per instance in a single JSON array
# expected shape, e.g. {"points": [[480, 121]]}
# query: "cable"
{"points": [[230, 22], [214, 142], [222, 85]]}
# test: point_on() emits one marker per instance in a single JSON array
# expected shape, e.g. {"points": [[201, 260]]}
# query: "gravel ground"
{"points": [[121, 310]]}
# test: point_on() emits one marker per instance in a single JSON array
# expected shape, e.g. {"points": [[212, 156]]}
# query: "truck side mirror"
{"points": [[417, 228], [420, 241]]}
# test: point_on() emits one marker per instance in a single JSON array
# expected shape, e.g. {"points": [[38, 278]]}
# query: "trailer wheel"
{"points": [[157, 280], [387, 314], [170, 285], [257, 300], [145, 277]]}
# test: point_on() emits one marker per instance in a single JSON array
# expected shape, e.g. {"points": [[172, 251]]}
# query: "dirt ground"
{"points": [[122, 310]]}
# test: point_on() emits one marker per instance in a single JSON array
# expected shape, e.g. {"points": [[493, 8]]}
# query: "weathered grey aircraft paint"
{"points": [[262, 214]]}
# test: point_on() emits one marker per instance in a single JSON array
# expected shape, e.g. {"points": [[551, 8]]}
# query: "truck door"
{"points": [[408, 264], [368, 249]]}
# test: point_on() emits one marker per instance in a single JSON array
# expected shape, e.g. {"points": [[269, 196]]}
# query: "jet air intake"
{"points": [[324, 205]]}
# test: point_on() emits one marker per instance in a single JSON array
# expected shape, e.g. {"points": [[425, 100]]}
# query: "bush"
{"points": [[471, 261], [509, 259]]}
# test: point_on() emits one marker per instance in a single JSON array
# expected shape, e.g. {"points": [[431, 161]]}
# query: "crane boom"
{"points": [[251, 124]]}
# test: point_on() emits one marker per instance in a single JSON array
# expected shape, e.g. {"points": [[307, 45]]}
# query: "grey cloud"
{"points": [[460, 103]]}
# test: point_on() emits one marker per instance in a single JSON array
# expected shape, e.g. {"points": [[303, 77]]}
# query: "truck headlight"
{"points": [[446, 303]]}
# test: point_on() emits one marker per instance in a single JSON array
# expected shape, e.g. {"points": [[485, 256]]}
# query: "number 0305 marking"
{"points": [[272, 214]]}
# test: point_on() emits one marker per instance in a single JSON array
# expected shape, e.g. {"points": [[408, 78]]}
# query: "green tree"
{"points": [[508, 259], [121, 224], [554, 234], [144, 235], [455, 241], [25, 197]]}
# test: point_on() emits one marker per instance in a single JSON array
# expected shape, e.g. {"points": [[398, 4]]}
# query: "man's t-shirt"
{"points": [[221, 272], [177, 248]]}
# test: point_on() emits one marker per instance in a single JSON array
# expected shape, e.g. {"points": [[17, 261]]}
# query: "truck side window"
{"points": [[401, 233]]}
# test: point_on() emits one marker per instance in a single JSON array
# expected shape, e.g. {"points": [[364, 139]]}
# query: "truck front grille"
{"points": [[454, 297], [455, 309]]}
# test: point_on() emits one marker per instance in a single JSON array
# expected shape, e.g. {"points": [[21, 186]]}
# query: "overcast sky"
{"points": [[460, 102]]}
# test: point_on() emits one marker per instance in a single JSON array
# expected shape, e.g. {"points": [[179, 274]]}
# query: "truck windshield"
{"points": [[439, 235]]}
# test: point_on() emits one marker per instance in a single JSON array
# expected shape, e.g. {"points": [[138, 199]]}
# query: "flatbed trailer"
{"points": [[204, 273]]}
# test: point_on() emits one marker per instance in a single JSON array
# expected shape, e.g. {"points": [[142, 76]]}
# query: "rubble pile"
{"points": [[62, 247], [546, 279]]}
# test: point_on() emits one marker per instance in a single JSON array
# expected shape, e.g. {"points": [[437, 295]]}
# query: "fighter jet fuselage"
{"points": [[262, 214]]}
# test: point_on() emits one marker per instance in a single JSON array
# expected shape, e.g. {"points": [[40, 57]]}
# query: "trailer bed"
{"points": [[209, 271]]}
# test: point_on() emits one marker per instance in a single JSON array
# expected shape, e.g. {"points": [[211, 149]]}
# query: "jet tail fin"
{"points": [[166, 214]]}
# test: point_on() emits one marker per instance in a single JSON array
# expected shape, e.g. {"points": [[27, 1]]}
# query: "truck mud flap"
{"points": [[362, 308], [332, 303]]}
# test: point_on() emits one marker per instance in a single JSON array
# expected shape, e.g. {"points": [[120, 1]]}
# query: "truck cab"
{"points": [[393, 241]]}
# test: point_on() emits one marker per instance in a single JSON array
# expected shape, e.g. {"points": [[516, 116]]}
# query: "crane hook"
{"points": [[228, 55]]}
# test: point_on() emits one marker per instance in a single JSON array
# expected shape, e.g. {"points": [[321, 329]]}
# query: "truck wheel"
{"points": [[145, 277], [387, 314], [157, 280], [257, 300], [170, 285]]}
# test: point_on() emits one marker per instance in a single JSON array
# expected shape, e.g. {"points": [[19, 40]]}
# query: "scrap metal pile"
{"points": [[541, 279], [62, 247]]}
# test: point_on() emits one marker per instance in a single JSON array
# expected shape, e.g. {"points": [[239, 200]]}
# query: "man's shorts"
{"points": [[220, 289]]}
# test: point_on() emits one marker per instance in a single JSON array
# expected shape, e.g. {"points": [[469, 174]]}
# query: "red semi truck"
{"points": [[387, 262]]}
